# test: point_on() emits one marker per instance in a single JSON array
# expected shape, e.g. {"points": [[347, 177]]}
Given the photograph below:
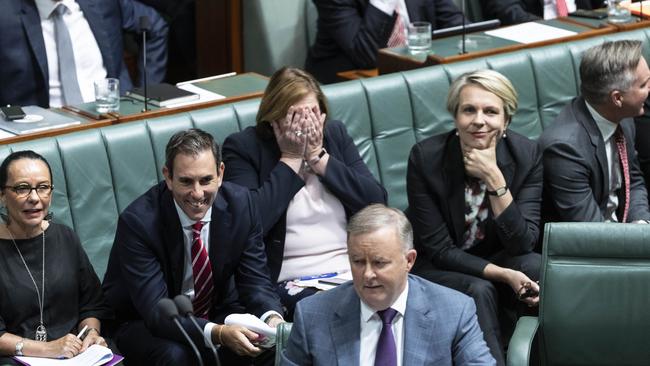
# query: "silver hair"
{"points": [[609, 66], [376, 217]]}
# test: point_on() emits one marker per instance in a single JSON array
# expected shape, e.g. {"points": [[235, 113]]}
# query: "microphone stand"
{"points": [[185, 308], [463, 51], [145, 24], [169, 310]]}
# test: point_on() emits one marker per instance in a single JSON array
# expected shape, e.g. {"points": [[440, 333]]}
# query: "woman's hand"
{"points": [[92, 337], [290, 133], [315, 123], [481, 164], [520, 283], [67, 346]]}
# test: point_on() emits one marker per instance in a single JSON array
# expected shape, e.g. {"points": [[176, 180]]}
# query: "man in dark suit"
{"points": [[427, 324], [591, 172], [520, 11], [351, 32], [190, 234]]}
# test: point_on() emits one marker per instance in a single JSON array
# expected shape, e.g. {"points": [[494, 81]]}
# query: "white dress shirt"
{"points": [[371, 329], [88, 58], [550, 8], [607, 129], [388, 7]]}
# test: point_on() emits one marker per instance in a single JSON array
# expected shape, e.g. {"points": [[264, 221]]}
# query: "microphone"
{"points": [[169, 311], [145, 26], [462, 50], [185, 308]]}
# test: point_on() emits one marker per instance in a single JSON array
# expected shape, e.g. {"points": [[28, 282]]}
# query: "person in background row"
{"points": [[307, 178], [385, 316], [474, 200], [49, 290], [591, 172], [520, 11], [350, 32]]}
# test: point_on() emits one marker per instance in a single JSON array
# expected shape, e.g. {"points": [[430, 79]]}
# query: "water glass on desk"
{"points": [[617, 13], [107, 95], [419, 37]]}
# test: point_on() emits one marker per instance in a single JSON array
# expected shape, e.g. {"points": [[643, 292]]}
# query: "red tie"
{"points": [[562, 9], [202, 272], [619, 138], [398, 37]]}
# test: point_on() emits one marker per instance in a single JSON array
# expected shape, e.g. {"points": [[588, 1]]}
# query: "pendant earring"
{"points": [[504, 134], [49, 216], [456, 132]]}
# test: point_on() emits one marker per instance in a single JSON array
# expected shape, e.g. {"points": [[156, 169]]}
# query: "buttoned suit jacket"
{"points": [[519, 11], [24, 74], [440, 328], [146, 262], [351, 32], [576, 184]]}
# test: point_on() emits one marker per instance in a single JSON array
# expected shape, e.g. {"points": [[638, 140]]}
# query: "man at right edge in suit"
{"points": [[385, 316], [591, 172]]}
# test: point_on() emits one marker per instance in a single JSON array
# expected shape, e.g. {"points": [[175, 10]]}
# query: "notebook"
{"points": [[163, 95], [95, 355], [37, 119]]}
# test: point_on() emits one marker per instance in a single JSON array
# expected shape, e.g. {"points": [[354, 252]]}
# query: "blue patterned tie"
{"points": [[67, 70], [386, 350]]}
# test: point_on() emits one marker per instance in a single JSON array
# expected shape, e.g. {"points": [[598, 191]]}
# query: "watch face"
{"points": [[501, 191]]}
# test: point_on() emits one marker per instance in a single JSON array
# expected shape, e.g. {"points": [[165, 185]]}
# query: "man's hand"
{"points": [[273, 321], [237, 338]]}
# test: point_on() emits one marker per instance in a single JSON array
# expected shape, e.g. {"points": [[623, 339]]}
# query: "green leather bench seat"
{"points": [[97, 173]]}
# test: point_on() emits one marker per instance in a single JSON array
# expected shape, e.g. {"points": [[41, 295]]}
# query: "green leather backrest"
{"points": [[97, 173], [595, 289]]}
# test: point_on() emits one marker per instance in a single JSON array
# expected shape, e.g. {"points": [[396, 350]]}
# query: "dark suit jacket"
{"points": [[520, 11], [440, 328], [435, 185], [146, 261], [351, 32], [253, 161], [576, 187], [24, 74]]}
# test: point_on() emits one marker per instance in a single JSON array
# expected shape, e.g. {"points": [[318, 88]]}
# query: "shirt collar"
{"points": [[399, 305], [605, 126], [186, 221], [45, 7]]}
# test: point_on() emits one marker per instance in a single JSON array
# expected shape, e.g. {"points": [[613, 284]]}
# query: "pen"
{"points": [[83, 330], [324, 275]]}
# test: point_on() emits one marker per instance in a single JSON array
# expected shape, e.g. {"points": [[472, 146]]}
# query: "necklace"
{"points": [[41, 332]]}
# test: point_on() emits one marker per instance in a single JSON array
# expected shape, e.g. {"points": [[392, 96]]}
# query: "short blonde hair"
{"points": [[489, 80], [287, 87]]}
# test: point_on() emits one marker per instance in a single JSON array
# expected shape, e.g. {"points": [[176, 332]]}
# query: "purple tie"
{"points": [[386, 352]]}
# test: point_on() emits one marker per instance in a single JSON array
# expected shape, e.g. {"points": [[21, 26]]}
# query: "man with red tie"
{"points": [[351, 32], [520, 11], [195, 235], [591, 172]]}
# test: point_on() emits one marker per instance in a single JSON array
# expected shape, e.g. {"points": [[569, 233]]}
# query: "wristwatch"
{"points": [[19, 347], [317, 159], [499, 191]]}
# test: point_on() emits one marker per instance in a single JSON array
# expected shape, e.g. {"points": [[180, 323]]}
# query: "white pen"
{"points": [[85, 328]]}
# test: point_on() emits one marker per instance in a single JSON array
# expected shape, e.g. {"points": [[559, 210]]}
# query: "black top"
{"points": [[72, 289]]}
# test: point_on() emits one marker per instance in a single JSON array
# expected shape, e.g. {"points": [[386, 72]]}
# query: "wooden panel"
{"points": [[218, 37]]}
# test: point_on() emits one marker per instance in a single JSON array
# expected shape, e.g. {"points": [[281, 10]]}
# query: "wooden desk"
{"points": [[234, 88], [357, 74], [445, 50]]}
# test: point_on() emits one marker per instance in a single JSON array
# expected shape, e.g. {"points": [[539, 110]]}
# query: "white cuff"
{"points": [[207, 334], [268, 314], [386, 6]]}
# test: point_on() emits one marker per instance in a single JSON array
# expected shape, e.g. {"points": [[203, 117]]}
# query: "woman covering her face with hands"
{"points": [[306, 177], [474, 201], [48, 289]]}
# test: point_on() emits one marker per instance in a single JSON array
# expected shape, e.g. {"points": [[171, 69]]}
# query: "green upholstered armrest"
{"points": [[281, 338], [522, 340]]}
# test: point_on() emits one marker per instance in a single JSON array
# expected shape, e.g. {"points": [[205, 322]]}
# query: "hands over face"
{"points": [[300, 133]]}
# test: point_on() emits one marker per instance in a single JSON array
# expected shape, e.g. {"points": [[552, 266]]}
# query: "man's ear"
{"points": [[168, 178], [411, 255], [616, 97]]}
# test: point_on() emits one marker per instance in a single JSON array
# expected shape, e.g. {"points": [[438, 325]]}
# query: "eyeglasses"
{"points": [[24, 190]]}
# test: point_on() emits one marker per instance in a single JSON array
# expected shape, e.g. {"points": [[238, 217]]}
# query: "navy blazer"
{"points": [[435, 184], [147, 257], [440, 328], [254, 162], [520, 11], [351, 32], [24, 75], [576, 184]]}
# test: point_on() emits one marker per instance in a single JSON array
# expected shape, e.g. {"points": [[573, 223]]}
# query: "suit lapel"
{"points": [[346, 329], [505, 162], [589, 124], [32, 24], [455, 184], [419, 326], [220, 238], [173, 242]]}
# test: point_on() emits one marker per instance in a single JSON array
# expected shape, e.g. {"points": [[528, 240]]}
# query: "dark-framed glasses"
{"points": [[24, 190]]}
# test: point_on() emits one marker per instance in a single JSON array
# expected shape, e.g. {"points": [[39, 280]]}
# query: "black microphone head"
{"points": [[184, 305], [167, 308], [145, 24]]}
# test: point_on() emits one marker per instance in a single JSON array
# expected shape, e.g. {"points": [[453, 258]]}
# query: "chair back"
{"points": [[595, 293], [281, 338]]}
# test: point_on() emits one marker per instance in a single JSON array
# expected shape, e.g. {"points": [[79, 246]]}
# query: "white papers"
{"points": [[321, 283], [95, 355], [250, 321], [530, 32], [204, 95]]}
